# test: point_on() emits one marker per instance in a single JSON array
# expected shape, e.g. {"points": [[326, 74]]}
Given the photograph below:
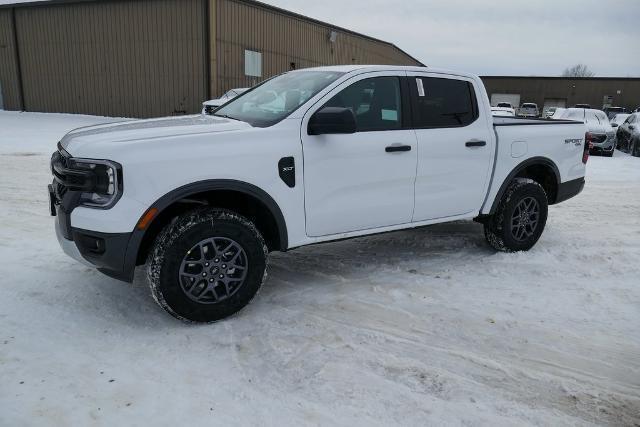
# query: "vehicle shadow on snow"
{"points": [[413, 251], [307, 268]]}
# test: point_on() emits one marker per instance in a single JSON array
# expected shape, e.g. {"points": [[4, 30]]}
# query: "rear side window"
{"points": [[375, 102], [442, 103]]}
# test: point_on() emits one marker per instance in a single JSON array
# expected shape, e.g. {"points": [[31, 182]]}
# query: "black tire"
{"points": [[169, 259], [499, 229], [633, 147], [609, 154]]}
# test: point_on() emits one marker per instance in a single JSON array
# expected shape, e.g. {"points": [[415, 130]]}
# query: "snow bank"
{"points": [[22, 132]]}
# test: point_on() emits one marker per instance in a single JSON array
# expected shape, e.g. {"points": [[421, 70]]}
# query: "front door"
{"points": [[366, 179]]}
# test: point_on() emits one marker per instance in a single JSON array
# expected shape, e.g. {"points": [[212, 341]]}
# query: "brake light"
{"points": [[588, 145]]}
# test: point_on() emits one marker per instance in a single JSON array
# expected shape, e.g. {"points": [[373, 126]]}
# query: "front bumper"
{"points": [[600, 149], [105, 251], [69, 247]]}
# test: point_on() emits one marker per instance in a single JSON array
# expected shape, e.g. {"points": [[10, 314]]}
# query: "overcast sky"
{"points": [[496, 37]]}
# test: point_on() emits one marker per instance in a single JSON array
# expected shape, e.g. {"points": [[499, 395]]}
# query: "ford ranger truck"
{"points": [[306, 157]]}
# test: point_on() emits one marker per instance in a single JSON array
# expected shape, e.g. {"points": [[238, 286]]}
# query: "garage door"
{"points": [[114, 58], [511, 98], [553, 102]]}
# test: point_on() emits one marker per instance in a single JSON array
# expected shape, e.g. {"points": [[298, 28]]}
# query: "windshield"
{"points": [[620, 118], [276, 98], [529, 106]]}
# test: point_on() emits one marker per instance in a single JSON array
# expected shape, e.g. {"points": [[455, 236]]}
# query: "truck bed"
{"points": [[556, 143]]}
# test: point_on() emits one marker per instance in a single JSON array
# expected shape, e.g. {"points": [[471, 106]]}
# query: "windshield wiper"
{"points": [[224, 116]]}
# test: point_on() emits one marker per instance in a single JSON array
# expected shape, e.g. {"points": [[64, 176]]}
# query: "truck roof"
{"points": [[371, 68]]}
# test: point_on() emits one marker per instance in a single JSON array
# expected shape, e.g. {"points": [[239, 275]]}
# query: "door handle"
{"points": [[474, 143], [397, 148]]}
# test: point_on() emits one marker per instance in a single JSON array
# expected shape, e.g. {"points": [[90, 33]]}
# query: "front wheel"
{"points": [[520, 217], [207, 265]]}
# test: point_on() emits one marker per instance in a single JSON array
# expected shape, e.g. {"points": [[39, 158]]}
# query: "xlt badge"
{"points": [[287, 171]]}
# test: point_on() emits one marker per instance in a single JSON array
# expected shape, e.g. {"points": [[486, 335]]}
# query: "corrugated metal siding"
{"points": [[9, 79], [574, 91], [114, 58], [283, 39]]}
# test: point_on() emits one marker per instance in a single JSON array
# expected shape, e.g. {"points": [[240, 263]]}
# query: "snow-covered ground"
{"points": [[426, 327]]}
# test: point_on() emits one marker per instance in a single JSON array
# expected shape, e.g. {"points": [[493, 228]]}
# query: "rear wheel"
{"points": [[207, 265], [520, 217]]}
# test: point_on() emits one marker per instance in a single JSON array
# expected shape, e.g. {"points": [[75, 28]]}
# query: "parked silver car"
{"points": [[599, 131]]}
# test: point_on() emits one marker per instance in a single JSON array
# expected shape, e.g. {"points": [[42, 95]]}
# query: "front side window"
{"points": [[441, 103], [375, 103], [275, 99]]}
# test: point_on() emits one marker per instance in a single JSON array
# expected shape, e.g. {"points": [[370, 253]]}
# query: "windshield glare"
{"points": [[276, 98]]}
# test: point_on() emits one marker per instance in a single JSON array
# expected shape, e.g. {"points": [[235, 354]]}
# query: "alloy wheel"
{"points": [[525, 218], [213, 270]]}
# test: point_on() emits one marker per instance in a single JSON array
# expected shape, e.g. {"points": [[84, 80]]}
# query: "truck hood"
{"points": [[82, 141]]}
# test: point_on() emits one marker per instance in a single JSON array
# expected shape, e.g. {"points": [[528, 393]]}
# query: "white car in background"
{"points": [[600, 133], [558, 113], [503, 112], [619, 119], [529, 109], [209, 106]]}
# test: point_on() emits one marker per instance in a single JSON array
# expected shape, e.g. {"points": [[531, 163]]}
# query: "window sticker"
{"points": [[420, 87], [389, 115]]}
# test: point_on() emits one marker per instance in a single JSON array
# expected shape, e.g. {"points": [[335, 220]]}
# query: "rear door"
{"points": [[362, 180], [455, 146]]}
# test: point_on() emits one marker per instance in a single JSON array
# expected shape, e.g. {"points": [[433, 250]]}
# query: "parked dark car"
{"points": [[628, 135]]}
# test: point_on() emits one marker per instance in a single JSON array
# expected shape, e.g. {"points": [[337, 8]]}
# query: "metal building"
{"points": [[565, 92], [149, 58]]}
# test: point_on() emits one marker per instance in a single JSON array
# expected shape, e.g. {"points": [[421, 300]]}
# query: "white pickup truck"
{"points": [[306, 157]]}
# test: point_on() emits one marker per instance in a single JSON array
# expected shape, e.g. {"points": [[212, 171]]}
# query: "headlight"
{"points": [[106, 185]]}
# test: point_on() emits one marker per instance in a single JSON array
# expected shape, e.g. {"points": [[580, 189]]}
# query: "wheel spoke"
{"points": [[524, 220], [213, 270]]}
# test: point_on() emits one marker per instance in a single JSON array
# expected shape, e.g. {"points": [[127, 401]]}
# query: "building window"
{"points": [[252, 63]]}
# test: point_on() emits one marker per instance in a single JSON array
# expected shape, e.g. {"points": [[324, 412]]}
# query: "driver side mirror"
{"points": [[614, 125], [332, 120]]}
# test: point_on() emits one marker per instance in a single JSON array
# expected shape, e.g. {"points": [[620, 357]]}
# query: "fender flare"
{"points": [[519, 168], [137, 236]]}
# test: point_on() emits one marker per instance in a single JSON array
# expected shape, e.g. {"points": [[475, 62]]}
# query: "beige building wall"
{"points": [[283, 38], [150, 58], [114, 58], [9, 73]]}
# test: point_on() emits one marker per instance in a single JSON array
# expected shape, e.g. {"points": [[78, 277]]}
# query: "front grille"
{"points": [[69, 178], [598, 138]]}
